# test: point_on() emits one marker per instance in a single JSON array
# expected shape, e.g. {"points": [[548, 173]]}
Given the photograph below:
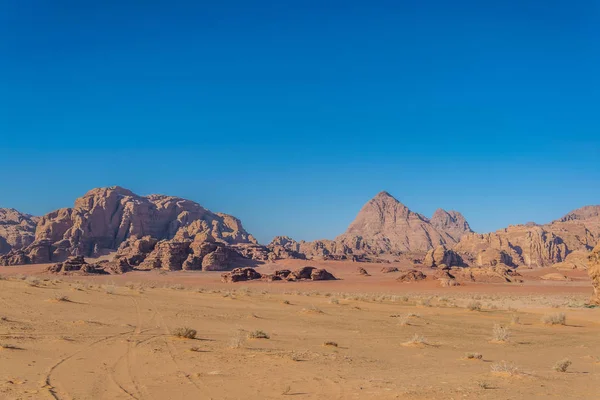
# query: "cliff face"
{"points": [[106, 217], [594, 272], [17, 230]]}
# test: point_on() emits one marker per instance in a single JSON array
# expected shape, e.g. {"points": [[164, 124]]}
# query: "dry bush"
{"points": [[60, 297], [185, 333], [417, 340], [195, 349], [504, 368], [474, 305], [562, 365], [333, 344], [403, 320], [110, 289], [484, 385], [177, 287], [448, 282], [312, 310], [258, 335], [426, 302], [555, 319], [500, 333], [286, 302], [333, 300], [237, 341], [33, 281], [515, 320], [474, 356]]}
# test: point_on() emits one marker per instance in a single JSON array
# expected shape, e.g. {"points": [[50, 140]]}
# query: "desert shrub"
{"points": [[474, 356], [109, 289], [562, 365], [500, 333], [237, 341], [555, 319], [474, 305], [333, 344], [504, 367], [177, 287], [333, 300], [33, 281], [515, 320], [417, 339], [258, 335], [448, 282], [185, 333], [60, 297]]}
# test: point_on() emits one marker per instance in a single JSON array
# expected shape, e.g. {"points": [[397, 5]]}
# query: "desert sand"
{"points": [[113, 337]]}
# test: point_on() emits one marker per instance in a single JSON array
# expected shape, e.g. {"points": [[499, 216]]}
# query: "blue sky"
{"points": [[292, 114]]}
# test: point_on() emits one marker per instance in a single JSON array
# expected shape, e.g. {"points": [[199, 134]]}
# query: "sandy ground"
{"points": [[112, 337]]}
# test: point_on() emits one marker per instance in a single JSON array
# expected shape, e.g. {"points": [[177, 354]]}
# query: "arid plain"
{"points": [[155, 297], [364, 337]]}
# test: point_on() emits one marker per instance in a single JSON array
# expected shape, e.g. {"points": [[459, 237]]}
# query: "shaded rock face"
{"points": [[17, 230], [283, 247], [104, 218], [172, 255], [594, 272], [441, 256]]}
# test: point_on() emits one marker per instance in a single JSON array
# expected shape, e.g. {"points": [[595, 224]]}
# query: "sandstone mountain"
{"points": [[17, 230], [562, 241], [104, 218], [384, 225]]}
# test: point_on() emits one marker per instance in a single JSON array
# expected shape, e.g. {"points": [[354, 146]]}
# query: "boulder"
{"points": [[240, 275], [362, 271], [321, 275], [442, 256], [412, 275]]}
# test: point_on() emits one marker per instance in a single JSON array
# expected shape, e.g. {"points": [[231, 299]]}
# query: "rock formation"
{"points": [[105, 218], [17, 230], [384, 225], [304, 273], [594, 272], [439, 256]]}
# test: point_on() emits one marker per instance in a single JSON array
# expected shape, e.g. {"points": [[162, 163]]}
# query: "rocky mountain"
{"points": [[561, 241], [105, 218], [17, 230], [384, 225]]}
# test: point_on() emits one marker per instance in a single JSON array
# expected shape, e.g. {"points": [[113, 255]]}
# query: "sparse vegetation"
{"points": [[60, 297], [109, 289], [195, 349], [474, 356], [555, 319], [258, 335], [33, 281], [185, 333], [237, 341], [177, 287], [417, 340], [562, 365], [474, 305], [333, 344], [504, 368], [484, 385], [515, 320], [500, 333]]}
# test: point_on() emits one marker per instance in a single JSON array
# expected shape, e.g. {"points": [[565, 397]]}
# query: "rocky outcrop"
{"points": [[240, 275], [17, 230], [283, 247], [79, 265], [439, 256], [104, 218], [594, 272], [412, 275], [387, 270], [304, 273], [362, 271]]}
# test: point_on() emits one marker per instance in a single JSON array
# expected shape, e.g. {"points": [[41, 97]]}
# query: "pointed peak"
{"points": [[383, 194]]}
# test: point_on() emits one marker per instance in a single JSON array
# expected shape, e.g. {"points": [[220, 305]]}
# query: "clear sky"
{"points": [[292, 114]]}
